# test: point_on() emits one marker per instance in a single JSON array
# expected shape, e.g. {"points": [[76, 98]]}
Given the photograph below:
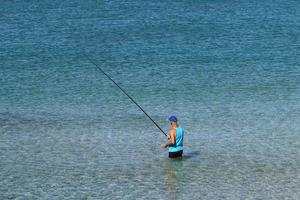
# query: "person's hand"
{"points": [[168, 137], [164, 145]]}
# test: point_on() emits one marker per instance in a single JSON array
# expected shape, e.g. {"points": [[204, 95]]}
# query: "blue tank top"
{"points": [[178, 146]]}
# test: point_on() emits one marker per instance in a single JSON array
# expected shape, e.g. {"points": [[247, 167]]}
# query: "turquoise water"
{"points": [[229, 70]]}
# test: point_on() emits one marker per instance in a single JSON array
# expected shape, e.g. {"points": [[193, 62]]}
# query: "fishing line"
{"points": [[100, 69]]}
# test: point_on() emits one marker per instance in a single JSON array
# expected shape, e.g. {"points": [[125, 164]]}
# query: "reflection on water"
{"points": [[174, 171]]}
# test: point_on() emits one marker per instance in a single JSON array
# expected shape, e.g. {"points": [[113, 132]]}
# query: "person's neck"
{"points": [[176, 126]]}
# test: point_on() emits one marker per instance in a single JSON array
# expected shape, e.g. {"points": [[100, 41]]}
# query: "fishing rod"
{"points": [[124, 92]]}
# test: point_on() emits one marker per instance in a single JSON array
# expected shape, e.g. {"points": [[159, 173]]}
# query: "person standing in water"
{"points": [[176, 139]]}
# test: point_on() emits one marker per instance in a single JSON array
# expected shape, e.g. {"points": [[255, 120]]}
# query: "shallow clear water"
{"points": [[229, 70]]}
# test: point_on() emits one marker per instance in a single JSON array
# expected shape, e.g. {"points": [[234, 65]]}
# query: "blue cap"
{"points": [[173, 119]]}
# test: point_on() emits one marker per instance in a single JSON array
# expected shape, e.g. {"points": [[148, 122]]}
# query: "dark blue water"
{"points": [[229, 70]]}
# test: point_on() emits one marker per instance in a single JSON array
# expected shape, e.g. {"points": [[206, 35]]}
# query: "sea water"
{"points": [[229, 70]]}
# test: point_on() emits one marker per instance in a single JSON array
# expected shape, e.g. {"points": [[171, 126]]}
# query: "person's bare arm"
{"points": [[172, 138]]}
